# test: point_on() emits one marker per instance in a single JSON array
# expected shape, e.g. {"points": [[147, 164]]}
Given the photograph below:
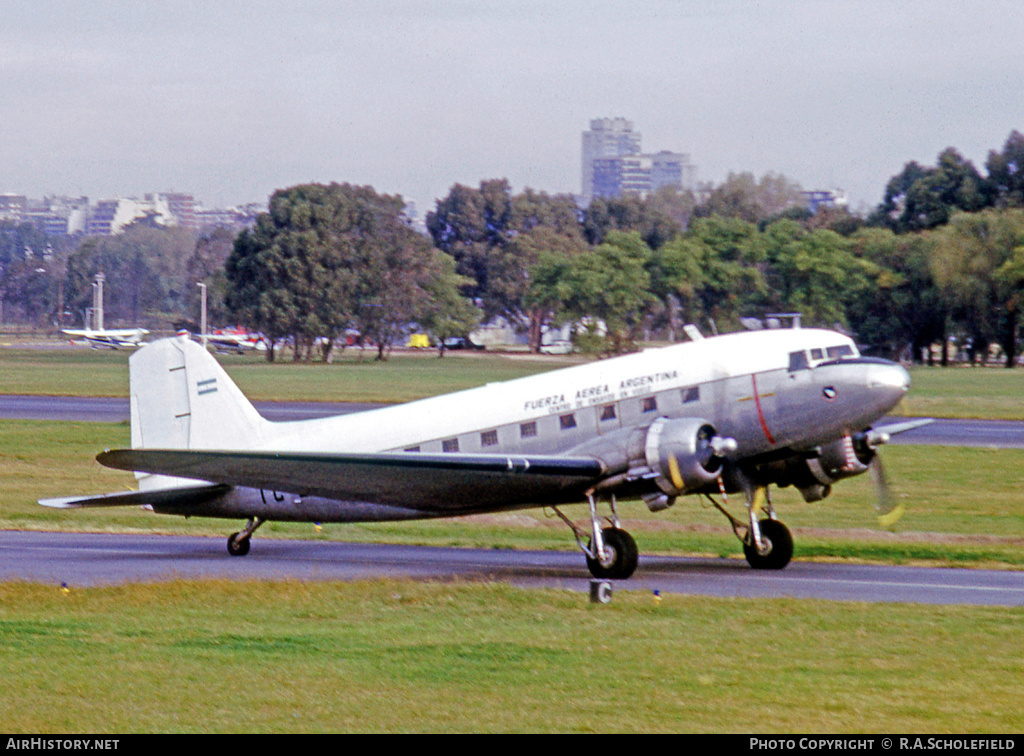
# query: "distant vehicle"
{"points": [[731, 414], [117, 338], [418, 341], [561, 346], [457, 342]]}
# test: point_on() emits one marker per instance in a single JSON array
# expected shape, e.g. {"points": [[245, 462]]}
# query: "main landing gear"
{"points": [[238, 543], [767, 543], [611, 552]]}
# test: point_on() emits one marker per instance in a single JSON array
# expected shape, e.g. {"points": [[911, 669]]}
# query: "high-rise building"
{"points": [[608, 138], [613, 165]]}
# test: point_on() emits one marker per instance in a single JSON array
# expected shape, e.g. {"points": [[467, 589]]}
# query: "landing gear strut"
{"points": [[238, 543], [611, 552], [767, 543]]}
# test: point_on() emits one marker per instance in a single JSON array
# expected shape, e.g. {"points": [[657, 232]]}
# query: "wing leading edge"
{"points": [[427, 482]]}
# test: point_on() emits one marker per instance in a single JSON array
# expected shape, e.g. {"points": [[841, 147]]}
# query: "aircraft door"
{"points": [[796, 392]]}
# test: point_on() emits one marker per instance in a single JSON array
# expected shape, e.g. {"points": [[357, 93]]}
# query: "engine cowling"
{"points": [[844, 458], [840, 459], [686, 453]]}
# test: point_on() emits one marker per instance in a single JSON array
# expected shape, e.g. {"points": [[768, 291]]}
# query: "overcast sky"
{"points": [[231, 99]]}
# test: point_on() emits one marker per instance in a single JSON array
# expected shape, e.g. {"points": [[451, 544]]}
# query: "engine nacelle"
{"points": [[686, 453], [844, 458], [840, 459]]}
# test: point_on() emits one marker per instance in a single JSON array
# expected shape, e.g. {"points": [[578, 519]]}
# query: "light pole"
{"points": [[202, 316]]}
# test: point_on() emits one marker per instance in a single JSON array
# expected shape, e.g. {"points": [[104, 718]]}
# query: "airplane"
{"points": [[109, 338], [236, 340], [714, 416]]}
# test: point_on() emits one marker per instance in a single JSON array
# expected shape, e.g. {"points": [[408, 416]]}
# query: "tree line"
{"points": [[940, 258]]}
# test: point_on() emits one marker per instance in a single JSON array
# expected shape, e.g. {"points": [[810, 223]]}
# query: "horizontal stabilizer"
{"points": [[406, 479], [182, 496]]}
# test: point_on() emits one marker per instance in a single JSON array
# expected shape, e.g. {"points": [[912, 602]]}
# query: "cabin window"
{"points": [[528, 430], [450, 445], [840, 351], [798, 361], [650, 404], [608, 412], [568, 422], [413, 449], [489, 438], [817, 354], [691, 394]]}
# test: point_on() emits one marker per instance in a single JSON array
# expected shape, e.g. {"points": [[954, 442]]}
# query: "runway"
{"points": [[88, 559], [1003, 434]]}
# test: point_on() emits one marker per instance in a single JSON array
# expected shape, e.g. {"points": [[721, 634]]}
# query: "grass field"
{"points": [[385, 656], [388, 656]]}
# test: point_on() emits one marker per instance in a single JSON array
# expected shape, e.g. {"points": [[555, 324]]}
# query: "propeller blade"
{"points": [[889, 512]]}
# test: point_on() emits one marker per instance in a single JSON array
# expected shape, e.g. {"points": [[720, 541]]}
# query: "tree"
{"points": [[745, 198], [920, 198], [293, 274], [1006, 172], [207, 266], [649, 217], [496, 239], [608, 284], [902, 311], [813, 272], [975, 268], [145, 272], [447, 314], [327, 257]]}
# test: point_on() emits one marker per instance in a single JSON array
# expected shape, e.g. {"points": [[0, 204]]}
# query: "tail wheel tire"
{"points": [[238, 546]]}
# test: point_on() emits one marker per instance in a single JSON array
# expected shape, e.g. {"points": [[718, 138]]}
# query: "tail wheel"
{"points": [[622, 556], [778, 547], [238, 544]]}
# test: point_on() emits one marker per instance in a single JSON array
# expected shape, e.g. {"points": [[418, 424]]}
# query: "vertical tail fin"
{"points": [[181, 398]]}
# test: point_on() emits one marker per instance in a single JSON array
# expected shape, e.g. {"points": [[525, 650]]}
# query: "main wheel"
{"points": [[622, 556], [778, 547], [238, 546]]}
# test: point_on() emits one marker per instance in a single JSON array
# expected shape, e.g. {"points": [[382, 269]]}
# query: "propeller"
{"points": [[888, 510]]}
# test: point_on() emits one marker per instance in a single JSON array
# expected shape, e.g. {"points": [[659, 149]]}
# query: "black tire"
{"points": [[623, 556], [238, 546], [780, 547]]}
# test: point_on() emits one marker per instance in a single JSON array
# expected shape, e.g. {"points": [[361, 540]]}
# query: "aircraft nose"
{"points": [[889, 377]]}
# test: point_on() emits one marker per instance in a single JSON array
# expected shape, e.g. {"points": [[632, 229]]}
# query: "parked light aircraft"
{"points": [[715, 416], [109, 338]]}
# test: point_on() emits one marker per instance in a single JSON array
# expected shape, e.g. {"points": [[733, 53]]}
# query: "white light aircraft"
{"points": [[109, 338], [715, 416]]}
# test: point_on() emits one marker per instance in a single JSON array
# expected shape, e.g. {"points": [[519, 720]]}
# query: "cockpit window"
{"points": [[798, 361], [844, 350]]}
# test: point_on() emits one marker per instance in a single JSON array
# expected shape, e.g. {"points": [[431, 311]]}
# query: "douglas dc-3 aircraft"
{"points": [[713, 416]]}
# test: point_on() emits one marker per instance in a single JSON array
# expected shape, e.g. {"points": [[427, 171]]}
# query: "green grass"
{"points": [[964, 392], [388, 656]]}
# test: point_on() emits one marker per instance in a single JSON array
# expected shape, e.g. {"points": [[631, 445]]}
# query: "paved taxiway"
{"points": [[90, 559], [1004, 434], [85, 559]]}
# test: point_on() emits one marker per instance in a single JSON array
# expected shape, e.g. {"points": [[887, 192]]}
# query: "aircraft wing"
{"points": [[429, 482]]}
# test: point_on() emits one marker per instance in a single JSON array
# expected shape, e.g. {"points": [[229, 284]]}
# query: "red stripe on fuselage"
{"points": [[760, 412]]}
